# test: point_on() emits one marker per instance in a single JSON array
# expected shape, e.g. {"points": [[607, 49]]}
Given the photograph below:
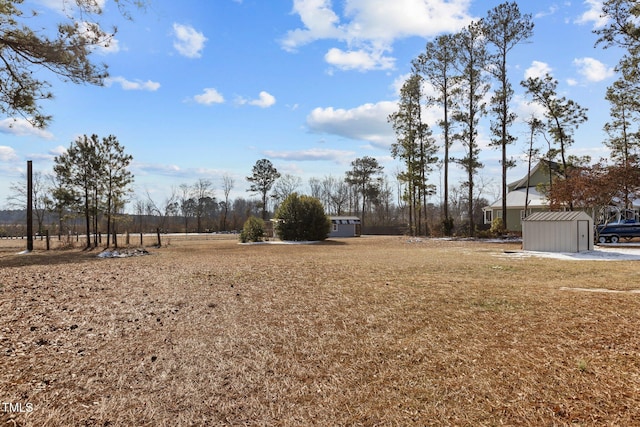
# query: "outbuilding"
{"points": [[558, 232], [345, 226]]}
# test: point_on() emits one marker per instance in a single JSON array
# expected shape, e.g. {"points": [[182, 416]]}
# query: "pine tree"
{"points": [[471, 89], [67, 55], [365, 176], [563, 115], [263, 176], [436, 63], [504, 27]]}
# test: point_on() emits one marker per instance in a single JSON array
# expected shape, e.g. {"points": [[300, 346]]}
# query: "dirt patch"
{"points": [[367, 331]]}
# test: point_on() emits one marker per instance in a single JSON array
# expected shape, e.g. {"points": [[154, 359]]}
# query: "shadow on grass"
{"points": [[333, 243], [54, 257]]}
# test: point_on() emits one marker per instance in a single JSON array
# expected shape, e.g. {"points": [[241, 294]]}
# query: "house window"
{"points": [[488, 216]]}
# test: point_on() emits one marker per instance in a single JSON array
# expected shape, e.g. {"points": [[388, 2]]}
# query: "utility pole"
{"points": [[29, 206]]}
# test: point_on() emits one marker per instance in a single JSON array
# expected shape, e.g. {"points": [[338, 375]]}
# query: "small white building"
{"points": [[345, 226], [558, 232]]}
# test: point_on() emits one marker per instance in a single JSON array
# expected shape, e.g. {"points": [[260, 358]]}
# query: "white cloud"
{"points": [[593, 14], [265, 100], [399, 82], [57, 151], [383, 19], [525, 108], [319, 20], [368, 28], [537, 69], [314, 154], [367, 122], [22, 127], [133, 85], [189, 42], [157, 169], [593, 70], [551, 11], [209, 97], [360, 60], [7, 154]]}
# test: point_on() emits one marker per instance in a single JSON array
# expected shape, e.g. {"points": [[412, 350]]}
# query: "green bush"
{"points": [[497, 228], [253, 230], [302, 218]]}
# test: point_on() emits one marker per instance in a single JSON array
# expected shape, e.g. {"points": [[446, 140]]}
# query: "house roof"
{"points": [[516, 199], [557, 216], [522, 182]]}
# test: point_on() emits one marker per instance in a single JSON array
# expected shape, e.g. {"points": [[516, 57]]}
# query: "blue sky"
{"points": [[199, 89]]}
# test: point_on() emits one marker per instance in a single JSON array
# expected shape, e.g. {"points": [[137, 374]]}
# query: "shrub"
{"points": [[253, 230], [447, 226], [302, 218], [497, 229]]}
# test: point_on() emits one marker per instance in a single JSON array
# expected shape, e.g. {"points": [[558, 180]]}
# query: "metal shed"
{"points": [[345, 226], [558, 232]]}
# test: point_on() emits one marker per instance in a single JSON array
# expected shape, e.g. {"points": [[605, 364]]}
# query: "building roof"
{"points": [[557, 216], [516, 199], [550, 167], [344, 219]]}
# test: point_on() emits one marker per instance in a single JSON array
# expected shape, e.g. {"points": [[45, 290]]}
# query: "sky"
{"points": [[203, 89]]}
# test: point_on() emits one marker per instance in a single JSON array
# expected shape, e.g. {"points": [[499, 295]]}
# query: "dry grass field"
{"points": [[375, 331]]}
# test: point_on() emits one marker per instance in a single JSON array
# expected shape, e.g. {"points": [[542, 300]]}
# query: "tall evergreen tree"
{"points": [[94, 171], [79, 169], [504, 27], [437, 65], [623, 27], [416, 147], [471, 89], [563, 115], [117, 179], [365, 176], [263, 176], [624, 139]]}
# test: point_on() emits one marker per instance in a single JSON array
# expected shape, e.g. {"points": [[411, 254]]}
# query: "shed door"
{"points": [[583, 235]]}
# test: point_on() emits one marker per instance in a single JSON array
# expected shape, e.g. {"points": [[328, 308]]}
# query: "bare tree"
{"points": [[285, 186], [41, 200], [169, 207], [227, 185], [186, 204]]}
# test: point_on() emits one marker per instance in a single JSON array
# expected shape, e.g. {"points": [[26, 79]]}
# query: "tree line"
{"points": [[90, 191], [462, 68]]}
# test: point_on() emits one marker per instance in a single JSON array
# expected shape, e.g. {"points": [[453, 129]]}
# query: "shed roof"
{"points": [[557, 216]]}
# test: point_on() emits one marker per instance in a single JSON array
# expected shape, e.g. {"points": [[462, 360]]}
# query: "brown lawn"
{"points": [[370, 331]]}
